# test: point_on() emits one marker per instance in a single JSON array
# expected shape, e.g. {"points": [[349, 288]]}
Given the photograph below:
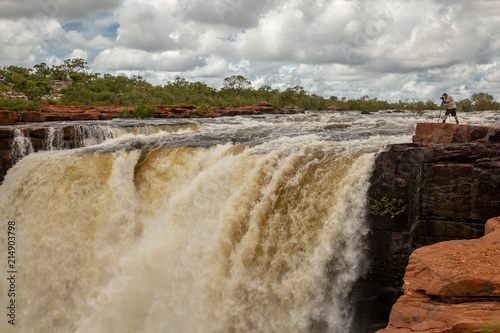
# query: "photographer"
{"points": [[451, 107]]}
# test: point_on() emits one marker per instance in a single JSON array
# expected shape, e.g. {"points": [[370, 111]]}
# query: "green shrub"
{"points": [[106, 96], [102, 103], [17, 104], [493, 327], [465, 105], [203, 107], [124, 113], [141, 111], [387, 206], [50, 102]]}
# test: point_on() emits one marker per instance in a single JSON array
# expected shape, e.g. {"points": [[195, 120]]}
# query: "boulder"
{"points": [[458, 269], [418, 313], [31, 116], [8, 117], [451, 286]]}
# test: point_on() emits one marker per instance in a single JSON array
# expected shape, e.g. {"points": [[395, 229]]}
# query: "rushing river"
{"points": [[243, 224]]}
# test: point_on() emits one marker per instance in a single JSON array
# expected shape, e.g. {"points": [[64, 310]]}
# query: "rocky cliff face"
{"points": [[449, 182]]}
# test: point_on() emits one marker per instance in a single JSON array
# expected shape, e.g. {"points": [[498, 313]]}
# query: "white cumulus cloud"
{"points": [[386, 49]]}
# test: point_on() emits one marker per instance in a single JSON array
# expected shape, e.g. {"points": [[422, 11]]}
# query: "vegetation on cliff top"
{"points": [[72, 83]]}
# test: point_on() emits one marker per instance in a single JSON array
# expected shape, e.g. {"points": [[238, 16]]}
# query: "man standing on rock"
{"points": [[451, 107]]}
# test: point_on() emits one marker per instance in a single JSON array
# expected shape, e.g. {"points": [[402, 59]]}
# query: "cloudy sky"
{"points": [[386, 49]]}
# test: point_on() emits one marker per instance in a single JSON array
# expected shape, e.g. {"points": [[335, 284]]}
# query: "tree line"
{"points": [[86, 88]]}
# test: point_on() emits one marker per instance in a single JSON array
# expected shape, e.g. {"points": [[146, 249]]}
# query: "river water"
{"points": [[241, 224]]}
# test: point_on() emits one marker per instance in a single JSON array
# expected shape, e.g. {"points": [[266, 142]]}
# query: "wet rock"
{"points": [[37, 132]]}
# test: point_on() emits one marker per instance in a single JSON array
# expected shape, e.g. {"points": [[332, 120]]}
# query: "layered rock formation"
{"points": [[449, 182], [87, 112]]}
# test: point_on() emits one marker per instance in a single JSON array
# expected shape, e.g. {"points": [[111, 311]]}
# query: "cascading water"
{"points": [[236, 225], [21, 145], [54, 140]]}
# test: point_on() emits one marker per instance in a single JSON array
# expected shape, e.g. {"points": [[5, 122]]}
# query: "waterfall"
{"points": [[21, 145], [91, 135], [84, 135], [227, 238], [54, 139]]}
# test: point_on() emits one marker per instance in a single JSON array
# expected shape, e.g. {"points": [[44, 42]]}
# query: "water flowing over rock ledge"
{"points": [[40, 138], [449, 179]]}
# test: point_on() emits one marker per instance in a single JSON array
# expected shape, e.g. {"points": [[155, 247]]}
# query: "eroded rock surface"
{"points": [[451, 286]]}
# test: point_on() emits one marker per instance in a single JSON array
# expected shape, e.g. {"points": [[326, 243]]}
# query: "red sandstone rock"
{"points": [[86, 112], [31, 116], [68, 132], [451, 286], [57, 116], [83, 116], [419, 313], [8, 117], [177, 110], [457, 268], [105, 116], [37, 133], [448, 133]]}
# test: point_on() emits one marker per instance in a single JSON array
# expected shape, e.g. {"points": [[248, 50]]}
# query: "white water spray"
{"points": [[21, 145], [230, 238], [54, 139]]}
